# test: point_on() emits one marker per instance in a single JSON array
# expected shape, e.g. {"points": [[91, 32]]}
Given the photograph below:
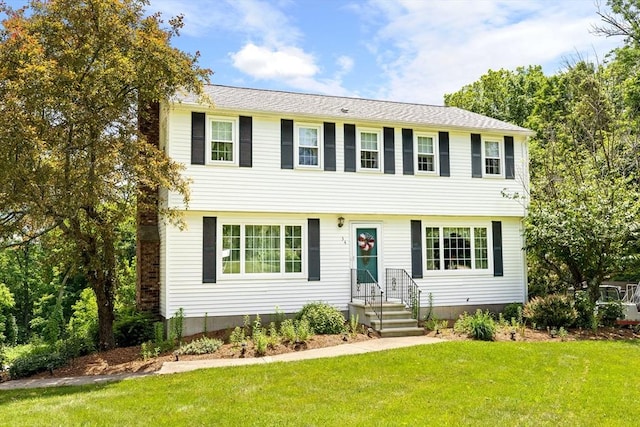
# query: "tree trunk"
{"points": [[106, 316]]}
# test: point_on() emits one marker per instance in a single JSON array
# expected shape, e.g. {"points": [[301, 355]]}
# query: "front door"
{"points": [[366, 251]]}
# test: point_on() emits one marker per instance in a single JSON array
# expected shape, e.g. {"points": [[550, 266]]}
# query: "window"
{"points": [[492, 158], [426, 153], [222, 139], [369, 150], [258, 248], [308, 145], [463, 248]]}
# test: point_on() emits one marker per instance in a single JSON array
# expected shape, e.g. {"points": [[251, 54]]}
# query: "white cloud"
{"points": [[262, 62], [438, 46]]}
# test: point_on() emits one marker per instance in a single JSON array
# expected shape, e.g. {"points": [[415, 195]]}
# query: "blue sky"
{"points": [[401, 50]]}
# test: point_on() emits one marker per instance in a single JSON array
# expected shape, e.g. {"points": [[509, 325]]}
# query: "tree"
{"points": [[75, 78], [504, 95]]}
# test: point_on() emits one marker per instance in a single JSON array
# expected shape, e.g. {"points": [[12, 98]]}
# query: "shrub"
{"points": [[203, 345], [133, 328], [38, 360], [553, 310], [296, 331], [609, 313], [585, 310], [83, 323], [480, 326], [511, 311], [323, 318]]}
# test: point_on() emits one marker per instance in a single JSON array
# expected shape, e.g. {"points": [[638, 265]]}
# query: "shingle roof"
{"points": [[346, 109]]}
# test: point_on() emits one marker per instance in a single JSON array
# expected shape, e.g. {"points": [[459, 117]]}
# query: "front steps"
{"points": [[396, 319]]}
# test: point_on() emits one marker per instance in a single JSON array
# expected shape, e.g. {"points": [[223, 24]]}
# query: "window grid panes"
{"points": [[426, 154], [481, 248], [369, 151], [432, 252], [231, 249], [222, 141], [492, 157], [308, 146], [457, 248], [293, 249], [262, 249], [249, 249]]}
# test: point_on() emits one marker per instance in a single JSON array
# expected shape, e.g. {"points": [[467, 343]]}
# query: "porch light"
{"points": [[340, 221]]}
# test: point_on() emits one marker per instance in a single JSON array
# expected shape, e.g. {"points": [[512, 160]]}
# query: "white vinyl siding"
{"points": [[265, 187], [242, 295]]}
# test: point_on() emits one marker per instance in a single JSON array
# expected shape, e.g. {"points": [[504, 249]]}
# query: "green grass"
{"points": [[584, 383]]}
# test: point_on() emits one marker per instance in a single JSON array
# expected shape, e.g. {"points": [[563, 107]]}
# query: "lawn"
{"points": [[454, 383]]}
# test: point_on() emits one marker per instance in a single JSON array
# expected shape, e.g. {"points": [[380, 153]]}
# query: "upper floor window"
{"points": [[456, 248], [308, 145], [426, 153], [492, 158], [369, 147], [223, 140]]}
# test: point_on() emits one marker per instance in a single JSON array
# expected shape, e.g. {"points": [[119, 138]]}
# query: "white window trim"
{"points": [[436, 154], [296, 138], [469, 271], [501, 157], [235, 139], [303, 274], [378, 132]]}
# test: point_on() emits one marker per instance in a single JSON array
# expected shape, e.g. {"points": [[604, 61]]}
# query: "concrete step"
{"points": [[401, 332], [394, 323], [400, 314]]}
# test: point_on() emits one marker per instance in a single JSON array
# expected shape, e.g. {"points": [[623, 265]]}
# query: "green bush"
{"points": [[38, 360], [203, 345], [609, 313], [553, 310], [83, 323], [479, 326], [585, 310], [133, 328], [323, 318], [510, 311]]}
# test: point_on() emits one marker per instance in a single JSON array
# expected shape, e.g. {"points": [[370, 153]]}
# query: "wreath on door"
{"points": [[366, 242]]}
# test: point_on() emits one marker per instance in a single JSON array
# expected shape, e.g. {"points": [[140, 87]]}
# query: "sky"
{"points": [[400, 50]]}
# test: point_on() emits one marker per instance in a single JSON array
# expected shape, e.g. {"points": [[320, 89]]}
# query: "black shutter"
{"points": [[407, 151], [416, 249], [443, 148], [197, 138], [246, 141], [313, 245], [389, 150], [286, 144], [209, 249], [329, 146], [349, 148], [496, 230], [476, 155], [509, 161]]}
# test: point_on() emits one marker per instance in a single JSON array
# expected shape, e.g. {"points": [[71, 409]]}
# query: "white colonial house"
{"points": [[298, 198]]}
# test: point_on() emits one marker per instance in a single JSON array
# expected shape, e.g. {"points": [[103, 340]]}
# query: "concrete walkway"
{"points": [[190, 365]]}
